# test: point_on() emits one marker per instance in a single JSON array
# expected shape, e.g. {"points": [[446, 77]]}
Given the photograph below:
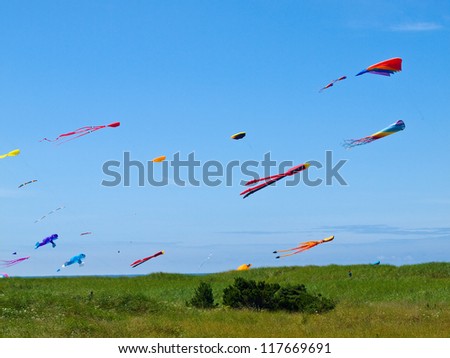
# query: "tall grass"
{"points": [[377, 301]]}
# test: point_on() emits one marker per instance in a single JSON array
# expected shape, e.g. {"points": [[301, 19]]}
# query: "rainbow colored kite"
{"points": [[384, 68], [393, 128]]}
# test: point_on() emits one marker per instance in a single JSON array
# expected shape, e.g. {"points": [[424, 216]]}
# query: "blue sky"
{"points": [[182, 77]]}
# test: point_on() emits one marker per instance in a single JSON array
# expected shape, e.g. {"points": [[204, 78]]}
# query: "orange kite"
{"points": [[303, 247]]}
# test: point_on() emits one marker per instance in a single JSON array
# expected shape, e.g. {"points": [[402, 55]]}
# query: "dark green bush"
{"points": [[260, 295], [296, 299], [250, 294], [203, 297]]}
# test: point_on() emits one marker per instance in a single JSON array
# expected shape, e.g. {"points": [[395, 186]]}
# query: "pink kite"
{"points": [[8, 263], [272, 179], [62, 138]]}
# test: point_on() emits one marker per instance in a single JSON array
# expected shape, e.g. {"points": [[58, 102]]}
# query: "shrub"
{"points": [[260, 295], [250, 294], [203, 297], [296, 299]]}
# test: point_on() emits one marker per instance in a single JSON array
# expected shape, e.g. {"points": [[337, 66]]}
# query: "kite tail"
{"points": [[37, 245], [293, 253], [350, 143]]}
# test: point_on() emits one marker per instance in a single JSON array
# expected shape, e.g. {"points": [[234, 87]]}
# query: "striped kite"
{"points": [[303, 247], [28, 182], [332, 83], [384, 68], [393, 128]]}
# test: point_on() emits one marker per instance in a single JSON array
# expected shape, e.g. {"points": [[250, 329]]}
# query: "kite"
{"points": [[4, 275], [393, 128], [65, 137], [244, 267], [159, 159], [77, 259], [48, 240], [12, 153], [238, 136], [8, 263], [303, 247], [272, 179], [384, 68], [376, 263], [332, 83], [28, 182], [141, 261], [86, 233], [49, 213]]}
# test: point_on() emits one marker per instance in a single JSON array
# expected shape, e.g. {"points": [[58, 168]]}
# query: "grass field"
{"points": [[378, 301]]}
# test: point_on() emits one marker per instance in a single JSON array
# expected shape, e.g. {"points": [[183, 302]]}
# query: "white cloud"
{"points": [[417, 26]]}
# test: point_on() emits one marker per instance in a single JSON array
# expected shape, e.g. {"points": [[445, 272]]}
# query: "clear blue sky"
{"points": [[182, 77]]}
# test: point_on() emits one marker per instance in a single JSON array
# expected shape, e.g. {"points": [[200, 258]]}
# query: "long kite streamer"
{"points": [[393, 128], [8, 263], [303, 247], [272, 179], [65, 137], [141, 261]]}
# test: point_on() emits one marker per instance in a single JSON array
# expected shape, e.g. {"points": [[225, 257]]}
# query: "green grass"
{"points": [[378, 301]]}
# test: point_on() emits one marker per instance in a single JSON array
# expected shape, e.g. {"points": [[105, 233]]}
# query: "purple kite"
{"points": [[47, 240]]}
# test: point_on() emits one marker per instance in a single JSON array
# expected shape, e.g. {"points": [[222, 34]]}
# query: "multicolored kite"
{"points": [[141, 261], [272, 179], [12, 153], [393, 128], [48, 240], [384, 68], [8, 263], [28, 182], [62, 138], [239, 135], [332, 83], [303, 247], [4, 275], [244, 267]]}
